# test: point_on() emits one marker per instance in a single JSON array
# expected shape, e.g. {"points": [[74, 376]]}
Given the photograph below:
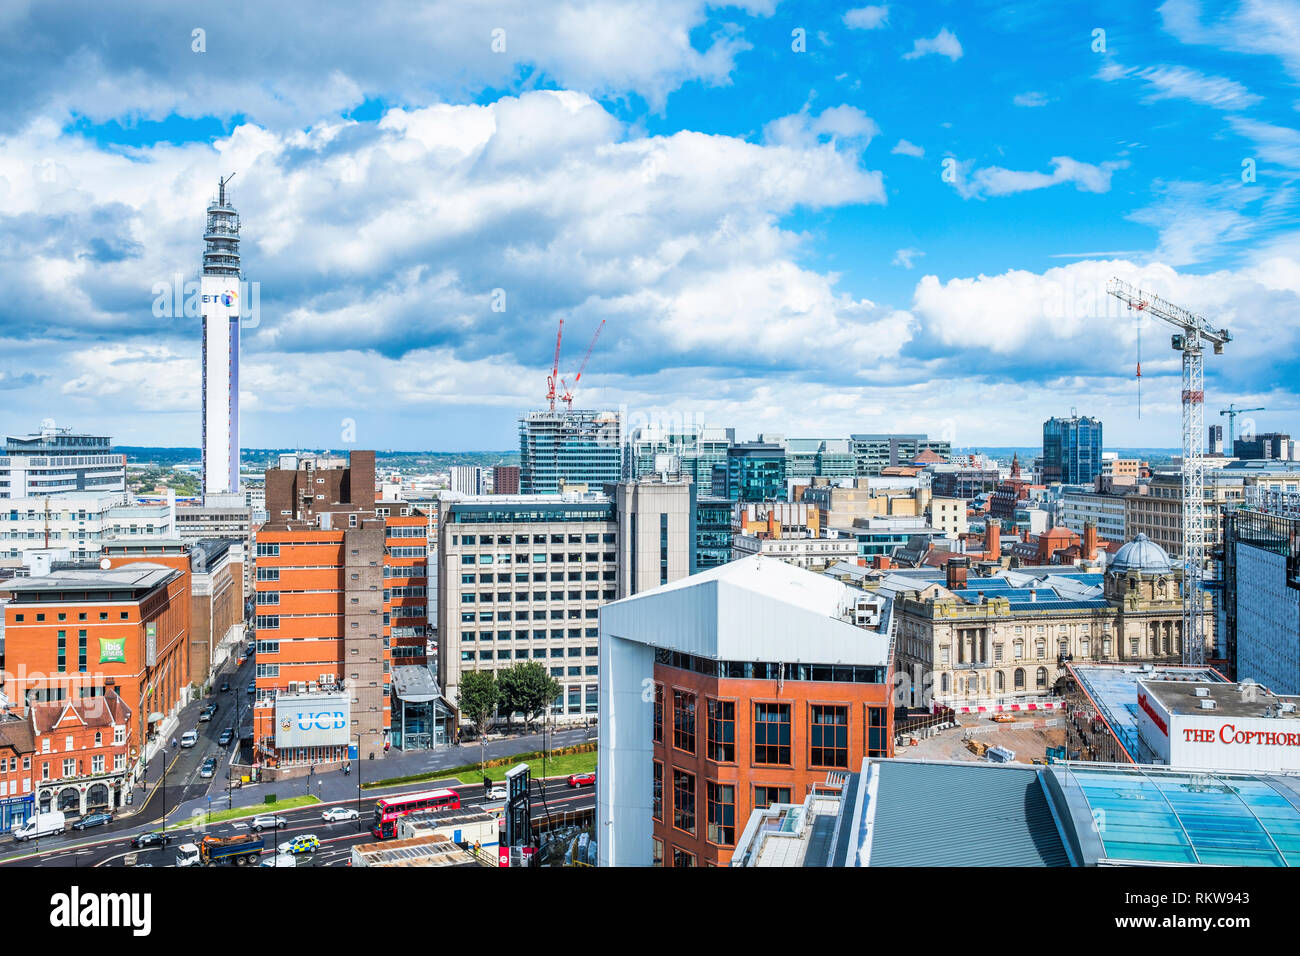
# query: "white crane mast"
{"points": [[1193, 329]]}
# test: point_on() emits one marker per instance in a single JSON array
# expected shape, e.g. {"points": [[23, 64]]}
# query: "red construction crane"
{"points": [[554, 377], [567, 397]]}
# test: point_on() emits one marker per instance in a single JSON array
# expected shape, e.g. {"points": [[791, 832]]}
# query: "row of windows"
{"points": [[538, 635], [720, 807], [555, 614], [590, 538], [491, 597], [540, 558], [590, 670], [763, 670], [81, 616]]}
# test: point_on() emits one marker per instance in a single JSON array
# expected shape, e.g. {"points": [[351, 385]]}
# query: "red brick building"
{"points": [[82, 758]]}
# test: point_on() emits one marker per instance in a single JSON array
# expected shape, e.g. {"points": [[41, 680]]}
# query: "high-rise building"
{"points": [[690, 452], [569, 446], [468, 479], [1215, 445], [56, 461], [505, 479], [754, 471], [1071, 450], [1271, 445], [524, 577], [706, 717], [873, 453], [220, 290], [712, 533], [807, 458], [79, 523]]}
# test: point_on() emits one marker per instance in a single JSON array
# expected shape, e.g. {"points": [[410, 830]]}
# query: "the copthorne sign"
{"points": [[1237, 733], [1229, 734]]}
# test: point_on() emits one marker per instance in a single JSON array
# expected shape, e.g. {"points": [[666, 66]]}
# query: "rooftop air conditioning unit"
{"points": [[1202, 692], [1287, 706], [1208, 704]]}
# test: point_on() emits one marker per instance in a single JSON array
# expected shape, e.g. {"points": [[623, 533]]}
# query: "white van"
{"points": [[189, 738], [41, 824]]}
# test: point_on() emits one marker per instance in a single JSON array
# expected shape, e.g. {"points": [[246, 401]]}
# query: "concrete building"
{"points": [[468, 480], [217, 595], [224, 517], [801, 549], [80, 522], [1157, 510], [1080, 506], [56, 461], [524, 578], [949, 516], [729, 690], [1265, 445], [845, 504], [689, 452], [1261, 591], [571, 446], [220, 287], [873, 453]]}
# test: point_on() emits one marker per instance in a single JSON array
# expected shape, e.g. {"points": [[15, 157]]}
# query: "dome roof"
{"points": [[1141, 554]]}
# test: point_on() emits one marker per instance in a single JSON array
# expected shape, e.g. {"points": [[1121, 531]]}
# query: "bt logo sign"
{"points": [[323, 720], [227, 298]]}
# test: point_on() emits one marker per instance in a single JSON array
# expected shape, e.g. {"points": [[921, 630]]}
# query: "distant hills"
{"points": [[255, 458]]}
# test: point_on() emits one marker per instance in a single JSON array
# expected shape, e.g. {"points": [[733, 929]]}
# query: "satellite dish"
{"points": [[105, 563]]}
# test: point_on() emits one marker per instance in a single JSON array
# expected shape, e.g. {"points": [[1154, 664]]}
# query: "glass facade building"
{"points": [[1071, 450], [712, 533], [569, 446], [755, 471]]}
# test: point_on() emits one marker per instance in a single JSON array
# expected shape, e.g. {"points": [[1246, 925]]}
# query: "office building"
{"points": [[80, 523], [524, 578], [1071, 450], [505, 479], [1261, 590], [1156, 509], [1081, 505], [712, 533], [57, 461], [765, 678], [468, 480], [817, 457], [221, 517], [569, 446], [690, 452], [1267, 445], [217, 578], [220, 291], [874, 453], [1215, 445], [754, 471]]}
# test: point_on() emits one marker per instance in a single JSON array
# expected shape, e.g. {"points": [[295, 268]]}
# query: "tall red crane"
{"points": [[554, 377], [567, 397]]}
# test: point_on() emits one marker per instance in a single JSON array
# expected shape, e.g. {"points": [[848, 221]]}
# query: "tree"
{"points": [[528, 689], [477, 699]]}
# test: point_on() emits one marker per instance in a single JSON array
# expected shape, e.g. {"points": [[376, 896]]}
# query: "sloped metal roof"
{"points": [[961, 814]]}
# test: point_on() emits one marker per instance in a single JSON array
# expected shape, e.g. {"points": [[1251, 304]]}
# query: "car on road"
{"points": [[190, 738], [156, 838], [208, 712], [335, 814], [252, 687], [226, 737], [268, 821], [93, 820], [304, 843], [582, 779], [209, 767], [225, 686], [497, 793]]}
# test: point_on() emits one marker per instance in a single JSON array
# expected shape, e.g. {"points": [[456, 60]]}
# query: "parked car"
{"points": [[190, 738], [207, 712], [497, 793], [252, 687], [268, 821], [304, 843], [335, 814], [209, 767], [225, 686], [93, 820], [226, 737], [156, 838], [582, 779]]}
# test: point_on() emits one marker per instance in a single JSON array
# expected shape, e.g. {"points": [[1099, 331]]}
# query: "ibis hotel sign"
{"points": [[312, 720]]}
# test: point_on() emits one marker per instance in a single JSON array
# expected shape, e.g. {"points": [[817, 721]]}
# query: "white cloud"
{"points": [[908, 149], [1030, 99], [906, 257], [1261, 27], [867, 18], [998, 181], [1180, 82], [943, 43]]}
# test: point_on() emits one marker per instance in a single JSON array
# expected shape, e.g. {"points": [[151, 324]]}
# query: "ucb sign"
{"points": [[312, 720]]}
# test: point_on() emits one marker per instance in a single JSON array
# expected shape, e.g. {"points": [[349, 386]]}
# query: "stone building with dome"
{"points": [[983, 635]]}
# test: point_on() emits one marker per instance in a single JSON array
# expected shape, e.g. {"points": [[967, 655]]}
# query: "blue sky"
{"points": [[811, 219]]}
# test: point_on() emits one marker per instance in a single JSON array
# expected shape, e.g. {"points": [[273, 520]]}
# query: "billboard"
{"points": [[112, 650], [313, 720]]}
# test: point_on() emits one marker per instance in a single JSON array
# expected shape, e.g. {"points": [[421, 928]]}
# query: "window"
{"points": [[657, 852], [722, 730], [1042, 677], [766, 796], [684, 801], [877, 732], [829, 736], [70, 767], [682, 858], [772, 733], [1020, 648], [659, 714], [657, 798], [1019, 678], [721, 813], [684, 721]]}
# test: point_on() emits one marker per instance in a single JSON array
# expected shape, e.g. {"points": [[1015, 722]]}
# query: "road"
{"points": [[103, 848]]}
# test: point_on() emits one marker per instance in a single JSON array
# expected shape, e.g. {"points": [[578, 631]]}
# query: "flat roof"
{"points": [[1230, 700], [1113, 690], [137, 576]]}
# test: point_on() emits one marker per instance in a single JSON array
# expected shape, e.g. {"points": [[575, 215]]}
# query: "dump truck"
{"points": [[211, 850]]}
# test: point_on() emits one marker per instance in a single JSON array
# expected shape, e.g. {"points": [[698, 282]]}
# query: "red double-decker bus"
{"points": [[389, 809]]}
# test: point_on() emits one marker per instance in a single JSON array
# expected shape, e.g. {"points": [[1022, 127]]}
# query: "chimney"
{"points": [[993, 539], [1090, 541], [883, 562], [956, 573]]}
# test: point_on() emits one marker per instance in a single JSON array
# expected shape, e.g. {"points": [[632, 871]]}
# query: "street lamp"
{"points": [[358, 736]]}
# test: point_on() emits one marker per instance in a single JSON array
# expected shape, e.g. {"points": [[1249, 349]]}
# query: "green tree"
{"points": [[477, 699], [528, 689]]}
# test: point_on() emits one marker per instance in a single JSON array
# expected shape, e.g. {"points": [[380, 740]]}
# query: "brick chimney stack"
{"points": [[1090, 541], [993, 539], [956, 568]]}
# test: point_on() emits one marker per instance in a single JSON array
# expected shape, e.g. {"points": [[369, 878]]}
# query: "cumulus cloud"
{"points": [[866, 18], [998, 181], [944, 43], [904, 148]]}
